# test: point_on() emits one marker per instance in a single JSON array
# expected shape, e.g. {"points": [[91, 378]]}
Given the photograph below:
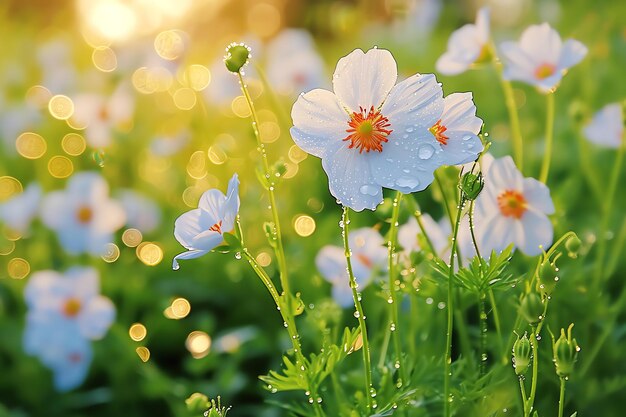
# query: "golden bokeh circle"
{"points": [[304, 225], [169, 44], [73, 144], [269, 131], [296, 155], [240, 107], [181, 308], [149, 253], [137, 332], [111, 253], [18, 268], [198, 343], [185, 98], [196, 167], [198, 77], [132, 237], [143, 81], [9, 187], [264, 259], [61, 107], [38, 95], [143, 353], [104, 59], [60, 167], [31, 145], [217, 155]]}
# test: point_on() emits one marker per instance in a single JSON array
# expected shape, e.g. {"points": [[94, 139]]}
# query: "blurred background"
{"points": [[136, 91]]}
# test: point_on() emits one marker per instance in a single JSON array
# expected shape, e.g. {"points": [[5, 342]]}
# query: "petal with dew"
{"points": [[537, 233]]}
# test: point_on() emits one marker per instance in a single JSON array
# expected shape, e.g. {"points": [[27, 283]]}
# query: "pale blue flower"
{"points": [[18, 212], [202, 229], [607, 126]]}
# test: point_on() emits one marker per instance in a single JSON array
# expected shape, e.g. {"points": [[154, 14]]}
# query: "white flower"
{"points": [[202, 229], [141, 212], [457, 130], [371, 133], [83, 215], [541, 58], [18, 212], [512, 209], [368, 255], [293, 65], [607, 126], [438, 233], [466, 46], [65, 311], [102, 116]]}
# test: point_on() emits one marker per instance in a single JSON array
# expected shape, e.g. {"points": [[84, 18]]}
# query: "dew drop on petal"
{"points": [[425, 151]]}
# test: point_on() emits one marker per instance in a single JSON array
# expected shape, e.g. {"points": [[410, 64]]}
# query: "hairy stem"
{"points": [[345, 222]]}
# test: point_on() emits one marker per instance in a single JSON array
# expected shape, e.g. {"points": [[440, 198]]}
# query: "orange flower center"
{"points": [[71, 307], [512, 204], [84, 214], [544, 71], [368, 130], [103, 114], [438, 130], [75, 357], [217, 227], [364, 260]]}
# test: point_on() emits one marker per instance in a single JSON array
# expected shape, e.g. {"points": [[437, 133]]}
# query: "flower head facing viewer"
{"points": [[202, 229], [540, 58], [467, 45], [371, 132], [512, 209]]}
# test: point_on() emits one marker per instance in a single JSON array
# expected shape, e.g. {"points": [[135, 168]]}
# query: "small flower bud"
{"points": [[532, 308], [521, 355], [197, 402], [578, 111], [472, 185], [280, 168], [237, 56], [565, 353], [573, 245], [548, 277]]}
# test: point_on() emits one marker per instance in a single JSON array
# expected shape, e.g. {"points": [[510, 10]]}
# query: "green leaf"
{"points": [[232, 241]]}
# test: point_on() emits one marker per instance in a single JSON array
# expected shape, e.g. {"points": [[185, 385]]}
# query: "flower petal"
{"points": [[364, 79], [542, 43], [537, 195], [572, 53], [331, 263], [607, 126], [496, 233], [231, 206], [207, 240], [191, 254], [537, 233], [414, 102], [503, 175], [211, 202], [187, 226], [459, 113], [350, 178], [462, 147], [97, 317], [319, 121]]}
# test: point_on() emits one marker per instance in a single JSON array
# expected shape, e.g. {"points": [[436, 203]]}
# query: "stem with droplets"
{"points": [[345, 221], [533, 385], [286, 316], [450, 323], [523, 392], [279, 250], [562, 397], [391, 246]]}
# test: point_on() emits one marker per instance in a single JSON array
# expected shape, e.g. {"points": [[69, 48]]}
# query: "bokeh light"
{"points": [[61, 107], [18, 268], [31, 145], [304, 225], [181, 308], [73, 144], [149, 253], [198, 343], [132, 237], [111, 253], [60, 167], [137, 332], [143, 353], [9, 187], [104, 58]]}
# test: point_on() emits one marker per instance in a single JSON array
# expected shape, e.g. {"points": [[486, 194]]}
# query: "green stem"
{"points": [[511, 106], [547, 156], [444, 196], [608, 208], [591, 174], [562, 397], [345, 222], [523, 392], [496, 320], [482, 316], [280, 252], [448, 357], [533, 384], [393, 305]]}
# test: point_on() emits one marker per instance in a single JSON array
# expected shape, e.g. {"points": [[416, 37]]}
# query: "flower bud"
{"points": [[532, 308], [237, 56], [565, 353], [521, 354], [548, 277], [472, 185], [578, 111], [573, 245]]}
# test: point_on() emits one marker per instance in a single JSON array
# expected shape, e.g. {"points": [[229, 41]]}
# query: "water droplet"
{"points": [[369, 190], [425, 151], [237, 255], [407, 182], [357, 314]]}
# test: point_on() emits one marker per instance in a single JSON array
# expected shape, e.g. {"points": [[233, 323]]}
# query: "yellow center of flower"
{"points": [[512, 204], [438, 131], [84, 214], [368, 130], [484, 55], [103, 114], [217, 227], [71, 307], [75, 357], [544, 71]]}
